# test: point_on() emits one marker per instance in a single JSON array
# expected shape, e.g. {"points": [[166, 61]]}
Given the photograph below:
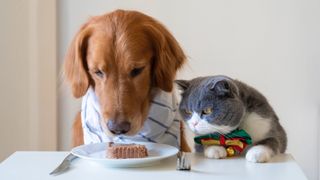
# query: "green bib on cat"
{"points": [[234, 142]]}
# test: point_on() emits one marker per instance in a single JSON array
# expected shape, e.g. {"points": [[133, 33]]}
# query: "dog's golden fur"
{"points": [[122, 55]]}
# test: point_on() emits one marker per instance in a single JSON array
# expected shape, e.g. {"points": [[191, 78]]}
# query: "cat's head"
{"points": [[211, 104]]}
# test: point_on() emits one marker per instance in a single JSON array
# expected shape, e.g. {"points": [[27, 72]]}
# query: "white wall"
{"points": [[272, 45], [27, 76]]}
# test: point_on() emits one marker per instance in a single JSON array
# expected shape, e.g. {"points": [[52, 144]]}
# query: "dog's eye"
{"points": [[136, 71], [99, 73]]}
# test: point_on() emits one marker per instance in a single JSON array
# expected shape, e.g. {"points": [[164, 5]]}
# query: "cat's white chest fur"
{"points": [[256, 126]]}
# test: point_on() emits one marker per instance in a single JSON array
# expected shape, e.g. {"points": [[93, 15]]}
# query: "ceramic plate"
{"points": [[97, 152]]}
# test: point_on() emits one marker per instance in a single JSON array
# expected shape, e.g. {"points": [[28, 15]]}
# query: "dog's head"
{"points": [[123, 55]]}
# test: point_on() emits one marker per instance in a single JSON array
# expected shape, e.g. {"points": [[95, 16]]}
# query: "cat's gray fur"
{"points": [[231, 100]]}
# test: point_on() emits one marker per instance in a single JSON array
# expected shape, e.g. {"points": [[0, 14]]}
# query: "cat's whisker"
{"points": [[218, 130], [221, 133]]}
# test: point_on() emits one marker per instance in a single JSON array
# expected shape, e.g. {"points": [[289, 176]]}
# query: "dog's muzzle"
{"points": [[118, 127]]}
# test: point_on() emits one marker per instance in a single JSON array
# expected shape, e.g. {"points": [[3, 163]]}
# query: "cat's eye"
{"points": [[207, 111], [99, 73], [188, 112]]}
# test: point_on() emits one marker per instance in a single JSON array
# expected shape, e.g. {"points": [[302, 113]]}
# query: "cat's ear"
{"points": [[182, 84], [222, 88]]}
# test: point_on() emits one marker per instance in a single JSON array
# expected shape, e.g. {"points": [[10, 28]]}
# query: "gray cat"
{"points": [[221, 104]]}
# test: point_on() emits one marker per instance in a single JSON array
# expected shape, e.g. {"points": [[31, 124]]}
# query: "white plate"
{"points": [[97, 153]]}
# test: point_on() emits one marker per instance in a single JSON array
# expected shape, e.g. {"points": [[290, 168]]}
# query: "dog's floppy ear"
{"points": [[169, 56], [75, 65]]}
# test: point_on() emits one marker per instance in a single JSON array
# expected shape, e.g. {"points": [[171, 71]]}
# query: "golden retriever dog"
{"points": [[123, 60]]}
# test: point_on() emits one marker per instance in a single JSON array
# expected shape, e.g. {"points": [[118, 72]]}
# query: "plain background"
{"points": [[272, 45], [28, 76]]}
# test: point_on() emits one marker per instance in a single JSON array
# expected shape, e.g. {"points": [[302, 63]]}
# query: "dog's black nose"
{"points": [[119, 128]]}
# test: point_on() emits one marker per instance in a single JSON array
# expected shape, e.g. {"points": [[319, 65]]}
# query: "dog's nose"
{"points": [[119, 128]]}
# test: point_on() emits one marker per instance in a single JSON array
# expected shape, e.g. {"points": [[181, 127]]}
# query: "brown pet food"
{"points": [[124, 151]]}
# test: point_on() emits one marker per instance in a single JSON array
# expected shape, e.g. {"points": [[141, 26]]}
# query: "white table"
{"points": [[37, 165]]}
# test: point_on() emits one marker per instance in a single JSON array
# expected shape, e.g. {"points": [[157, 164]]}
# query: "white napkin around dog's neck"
{"points": [[161, 126]]}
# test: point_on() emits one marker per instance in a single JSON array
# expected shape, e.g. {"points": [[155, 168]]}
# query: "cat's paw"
{"points": [[259, 154], [216, 152]]}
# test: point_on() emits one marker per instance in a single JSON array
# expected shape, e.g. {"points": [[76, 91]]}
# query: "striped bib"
{"points": [[161, 126]]}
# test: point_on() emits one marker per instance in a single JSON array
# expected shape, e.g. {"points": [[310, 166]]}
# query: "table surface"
{"points": [[37, 165]]}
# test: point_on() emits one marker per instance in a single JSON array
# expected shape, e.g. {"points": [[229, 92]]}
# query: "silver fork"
{"points": [[65, 164], [183, 161]]}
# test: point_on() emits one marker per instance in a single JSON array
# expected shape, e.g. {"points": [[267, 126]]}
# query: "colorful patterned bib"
{"points": [[234, 142]]}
